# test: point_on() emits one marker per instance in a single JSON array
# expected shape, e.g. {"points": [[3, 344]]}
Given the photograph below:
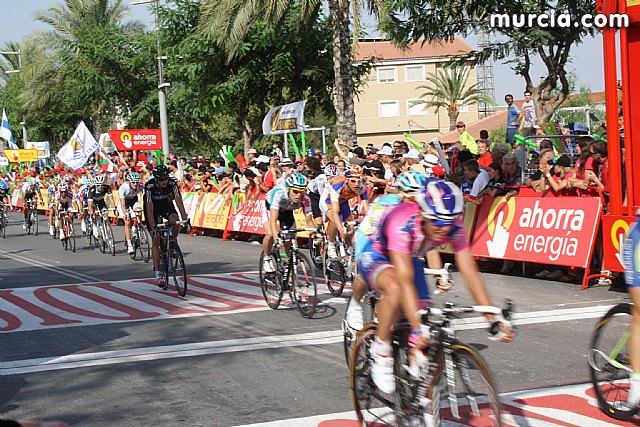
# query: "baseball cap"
{"points": [[430, 160], [299, 161], [386, 150], [412, 154], [219, 171], [563, 161], [263, 159], [286, 162], [460, 124], [252, 151], [580, 127]]}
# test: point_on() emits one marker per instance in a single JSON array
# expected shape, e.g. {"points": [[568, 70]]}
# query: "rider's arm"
{"points": [[337, 143], [273, 221], [183, 212]]}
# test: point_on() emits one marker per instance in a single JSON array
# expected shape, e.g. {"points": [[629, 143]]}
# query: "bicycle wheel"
{"points": [[373, 408], [108, 237], [164, 266], [3, 227], [63, 227], [609, 362], [469, 398], [144, 243], [179, 272], [316, 253], [334, 275], [34, 222], [349, 333], [304, 287], [71, 236], [88, 225], [271, 284]]}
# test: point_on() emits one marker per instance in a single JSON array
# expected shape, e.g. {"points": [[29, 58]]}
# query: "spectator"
{"points": [[396, 169], [585, 160], [495, 185], [400, 148], [275, 150], [484, 136], [529, 116], [513, 119], [484, 156], [561, 176], [386, 157], [252, 153], [466, 140], [355, 157], [342, 166], [300, 167], [412, 159], [599, 154], [173, 166], [477, 178], [537, 180], [513, 172], [498, 152], [324, 160]]}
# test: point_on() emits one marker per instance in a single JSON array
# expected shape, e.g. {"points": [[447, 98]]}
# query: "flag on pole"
{"points": [[5, 132], [80, 147], [104, 162]]}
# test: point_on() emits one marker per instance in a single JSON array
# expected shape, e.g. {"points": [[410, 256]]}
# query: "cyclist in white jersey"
{"points": [[128, 194]]}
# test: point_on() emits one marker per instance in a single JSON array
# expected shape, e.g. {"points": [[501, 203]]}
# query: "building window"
{"points": [[387, 75], [463, 108], [414, 73], [416, 108], [389, 109]]}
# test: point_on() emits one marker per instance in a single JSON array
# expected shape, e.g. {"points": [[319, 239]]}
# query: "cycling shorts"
{"points": [[160, 210], [372, 263]]}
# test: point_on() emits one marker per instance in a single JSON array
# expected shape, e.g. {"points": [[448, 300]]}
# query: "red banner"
{"points": [[136, 139], [614, 232], [545, 228], [248, 217]]}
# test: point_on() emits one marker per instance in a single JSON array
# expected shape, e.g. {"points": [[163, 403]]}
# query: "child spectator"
{"points": [[477, 179]]}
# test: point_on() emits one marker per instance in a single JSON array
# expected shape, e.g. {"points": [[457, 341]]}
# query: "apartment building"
{"points": [[387, 105]]}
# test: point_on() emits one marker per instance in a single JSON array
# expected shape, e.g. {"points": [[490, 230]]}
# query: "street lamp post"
{"points": [[24, 121], [164, 127]]}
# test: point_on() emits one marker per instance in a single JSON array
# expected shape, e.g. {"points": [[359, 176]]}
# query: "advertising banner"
{"points": [[136, 139], [21, 156], [4, 161], [42, 147], [284, 119], [211, 211], [544, 229], [614, 232]]}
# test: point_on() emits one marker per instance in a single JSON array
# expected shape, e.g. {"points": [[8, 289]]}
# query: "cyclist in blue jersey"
{"points": [[631, 258], [281, 201]]}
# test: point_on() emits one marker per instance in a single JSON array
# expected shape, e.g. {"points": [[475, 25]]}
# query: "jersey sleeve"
{"points": [[306, 204]]}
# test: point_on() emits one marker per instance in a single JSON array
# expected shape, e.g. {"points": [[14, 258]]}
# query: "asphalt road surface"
{"points": [[88, 339]]}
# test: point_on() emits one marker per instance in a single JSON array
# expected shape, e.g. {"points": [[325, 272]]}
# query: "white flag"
{"points": [[284, 119], [5, 132], [80, 147]]}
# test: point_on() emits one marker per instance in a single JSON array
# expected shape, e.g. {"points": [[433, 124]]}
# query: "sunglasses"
{"points": [[355, 181], [164, 178], [438, 222], [299, 190]]}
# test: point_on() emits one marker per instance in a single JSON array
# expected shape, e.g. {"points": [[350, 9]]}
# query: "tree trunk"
{"points": [[342, 63], [542, 95], [97, 128], [453, 118], [249, 134]]}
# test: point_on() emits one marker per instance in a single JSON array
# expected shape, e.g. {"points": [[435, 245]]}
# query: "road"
{"points": [[88, 339]]}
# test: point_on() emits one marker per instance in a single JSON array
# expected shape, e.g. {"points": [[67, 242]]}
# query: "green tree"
{"points": [[444, 19], [229, 22], [449, 89], [270, 67]]}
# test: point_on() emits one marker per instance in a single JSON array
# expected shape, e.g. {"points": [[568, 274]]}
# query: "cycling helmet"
{"points": [[32, 181], [55, 181], [4, 185], [331, 170], [133, 177], [160, 171], [67, 178], [440, 200], [91, 182], [354, 171], [411, 181], [63, 187], [99, 180], [296, 180]]}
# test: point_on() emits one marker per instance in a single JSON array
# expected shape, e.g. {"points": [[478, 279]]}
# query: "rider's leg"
{"points": [[634, 348]]}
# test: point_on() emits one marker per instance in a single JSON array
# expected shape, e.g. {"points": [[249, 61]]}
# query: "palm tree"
{"points": [[449, 89], [227, 22]]}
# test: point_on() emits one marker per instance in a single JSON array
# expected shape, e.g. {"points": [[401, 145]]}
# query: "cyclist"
{"points": [[159, 194], [30, 190], [631, 257], [128, 193], [51, 197], [4, 198], [409, 184], [281, 201], [97, 194], [62, 202], [391, 265], [82, 198], [335, 203]]}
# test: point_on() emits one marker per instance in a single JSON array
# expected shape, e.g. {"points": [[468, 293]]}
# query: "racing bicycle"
{"points": [[32, 217], [171, 259], [370, 299], [103, 239], [609, 362], [338, 272], [140, 238], [3, 219], [66, 227], [452, 385], [294, 273]]}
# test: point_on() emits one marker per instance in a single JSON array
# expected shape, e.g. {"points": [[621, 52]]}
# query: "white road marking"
{"points": [[58, 270], [249, 344]]}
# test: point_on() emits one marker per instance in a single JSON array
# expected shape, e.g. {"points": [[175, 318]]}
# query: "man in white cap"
{"points": [[412, 159], [430, 160], [386, 157]]}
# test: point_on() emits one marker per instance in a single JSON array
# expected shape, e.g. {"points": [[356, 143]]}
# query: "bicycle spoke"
{"points": [[305, 290]]}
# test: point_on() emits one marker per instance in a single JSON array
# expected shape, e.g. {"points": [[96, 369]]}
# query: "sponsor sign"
{"points": [[284, 119], [544, 229], [42, 147], [211, 211], [136, 139], [614, 232], [21, 156], [4, 161]]}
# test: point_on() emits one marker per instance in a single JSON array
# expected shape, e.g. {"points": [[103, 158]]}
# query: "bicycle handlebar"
{"points": [[171, 224]]}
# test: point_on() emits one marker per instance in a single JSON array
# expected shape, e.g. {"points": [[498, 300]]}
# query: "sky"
{"points": [[587, 58]]}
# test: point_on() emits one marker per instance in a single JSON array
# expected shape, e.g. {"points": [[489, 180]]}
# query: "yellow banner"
{"points": [[211, 211], [21, 156]]}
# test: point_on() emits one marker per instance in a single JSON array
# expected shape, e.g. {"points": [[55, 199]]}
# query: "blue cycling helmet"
{"points": [[4, 185], [411, 181], [441, 201], [296, 180], [311, 152]]}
